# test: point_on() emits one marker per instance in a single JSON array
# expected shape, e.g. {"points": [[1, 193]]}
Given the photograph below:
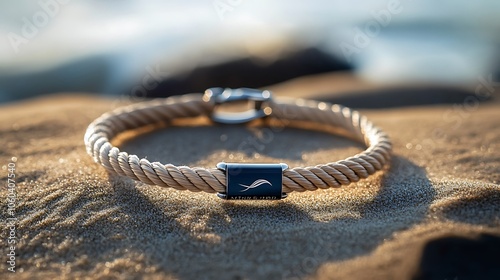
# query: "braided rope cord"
{"points": [[334, 174]]}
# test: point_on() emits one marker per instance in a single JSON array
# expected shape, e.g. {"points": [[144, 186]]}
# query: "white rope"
{"points": [[333, 174]]}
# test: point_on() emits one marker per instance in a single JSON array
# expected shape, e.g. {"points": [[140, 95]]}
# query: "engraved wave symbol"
{"points": [[257, 183]]}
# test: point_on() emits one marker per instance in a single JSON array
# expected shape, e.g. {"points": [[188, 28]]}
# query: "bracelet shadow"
{"points": [[349, 229]]}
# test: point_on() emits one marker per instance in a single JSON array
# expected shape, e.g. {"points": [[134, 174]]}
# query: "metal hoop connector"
{"points": [[221, 96]]}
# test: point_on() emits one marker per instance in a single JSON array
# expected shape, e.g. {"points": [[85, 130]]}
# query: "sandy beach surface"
{"points": [[433, 214]]}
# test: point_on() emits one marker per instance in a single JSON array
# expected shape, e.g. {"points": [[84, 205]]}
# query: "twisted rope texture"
{"points": [[334, 174]]}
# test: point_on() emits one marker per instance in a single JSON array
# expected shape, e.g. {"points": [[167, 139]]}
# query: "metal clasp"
{"points": [[219, 96]]}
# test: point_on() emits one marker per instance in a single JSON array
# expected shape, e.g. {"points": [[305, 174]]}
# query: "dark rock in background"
{"points": [[248, 72]]}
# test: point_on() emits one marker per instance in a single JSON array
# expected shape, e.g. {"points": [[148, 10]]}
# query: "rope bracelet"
{"points": [[238, 180]]}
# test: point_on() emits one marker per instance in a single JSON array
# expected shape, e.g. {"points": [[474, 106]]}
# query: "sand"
{"points": [[435, 212]]}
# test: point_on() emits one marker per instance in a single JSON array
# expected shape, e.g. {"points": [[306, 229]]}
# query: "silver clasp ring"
{"points": [[219, 96]]}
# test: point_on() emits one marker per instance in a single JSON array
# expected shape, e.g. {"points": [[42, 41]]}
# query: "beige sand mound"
{"points": [[74, 220]]}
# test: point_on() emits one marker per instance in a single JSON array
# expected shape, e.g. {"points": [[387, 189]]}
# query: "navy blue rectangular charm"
{"points": [[253, 181]]}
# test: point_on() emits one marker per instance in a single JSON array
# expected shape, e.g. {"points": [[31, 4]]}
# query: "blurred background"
{"points": [[160, 48]]}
